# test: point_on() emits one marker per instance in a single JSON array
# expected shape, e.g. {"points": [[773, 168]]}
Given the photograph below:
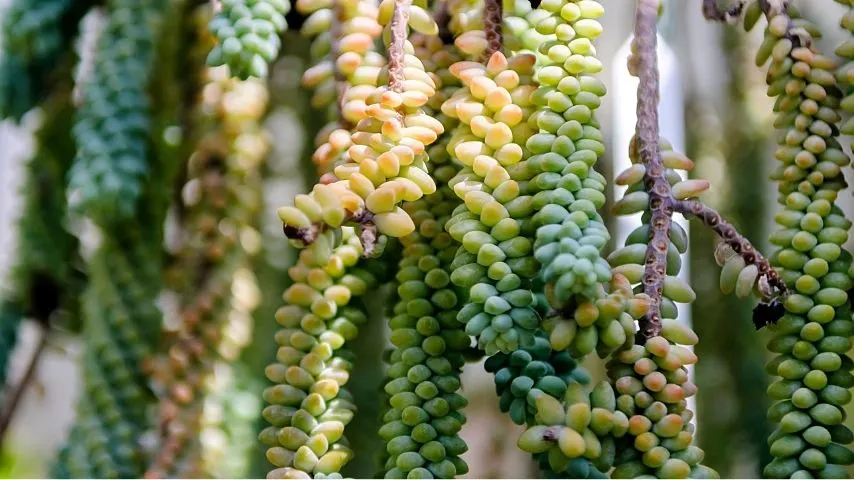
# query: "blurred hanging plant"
{"points": [[121, 318], [220, 211], [45, 280], [37, 37]]}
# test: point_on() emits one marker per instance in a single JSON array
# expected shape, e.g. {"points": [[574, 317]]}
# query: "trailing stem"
{"points": [[662, 203], [660, 197], [739, 244]]}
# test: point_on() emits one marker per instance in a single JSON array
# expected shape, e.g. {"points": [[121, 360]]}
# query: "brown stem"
{"points": [[13, 400], [492, 19], [647, 135], [364, 218], [443, 19], [396, 53], [739, 244], [711, 11]]}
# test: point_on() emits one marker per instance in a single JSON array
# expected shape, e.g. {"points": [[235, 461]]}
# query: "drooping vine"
{"points": [[565, 190], [650, 377], [120, 315], [345, 33], [812, 338], [421, 428], [570, 232], [308, 406], [37, 37], [376, 177], [113, 124], [424, 412], [247, 34], [324, 451], [495, 263], [221, 206]]}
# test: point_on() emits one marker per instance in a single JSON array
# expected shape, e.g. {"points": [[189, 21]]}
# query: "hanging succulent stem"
{"points": [[660, 197], [492, 18], [364, 218]]}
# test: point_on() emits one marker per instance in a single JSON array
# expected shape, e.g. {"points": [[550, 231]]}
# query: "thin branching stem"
{"points": [[647, 135], [730, 235], [396, 79], [13, 399]]}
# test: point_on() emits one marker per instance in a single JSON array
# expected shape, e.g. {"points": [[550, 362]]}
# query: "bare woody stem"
{"points": [[647, 135], [14, 396], [396, 50], [493, 13], [733, 238]]}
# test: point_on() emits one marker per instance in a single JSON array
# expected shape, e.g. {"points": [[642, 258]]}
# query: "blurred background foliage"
{"points": [[727, 125]]}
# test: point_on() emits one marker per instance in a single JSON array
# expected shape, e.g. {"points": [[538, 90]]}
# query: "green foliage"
{"points": [[567, 191], [529, 372], [495, 263], [122, 320], [37, 36], [113, 127], [651, 378], [247, 33]]}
